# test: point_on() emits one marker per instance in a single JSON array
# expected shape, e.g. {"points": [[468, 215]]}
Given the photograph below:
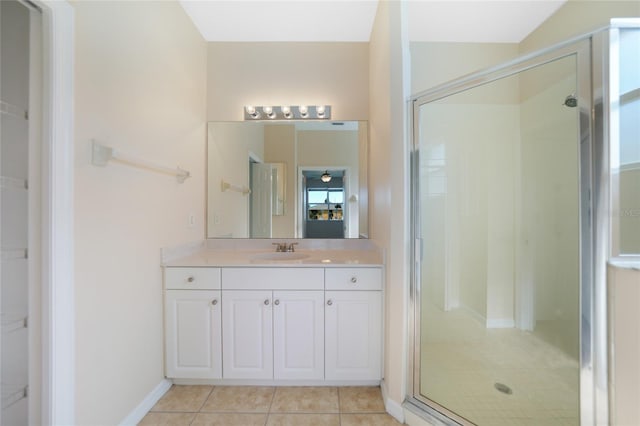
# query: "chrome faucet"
{"points": [[280, 247], [284, 247]]}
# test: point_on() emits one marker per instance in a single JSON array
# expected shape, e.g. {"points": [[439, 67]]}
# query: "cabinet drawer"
{"points": [[192, 278], [353, 279], [273, 278]]}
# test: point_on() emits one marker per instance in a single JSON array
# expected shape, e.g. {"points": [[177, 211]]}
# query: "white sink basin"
{"points": [[280, 256]]}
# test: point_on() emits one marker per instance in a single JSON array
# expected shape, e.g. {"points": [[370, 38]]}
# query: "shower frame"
{"points": [[593, 71]]}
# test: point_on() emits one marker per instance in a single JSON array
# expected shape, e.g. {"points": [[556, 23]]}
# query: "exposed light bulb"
{"points": [[326, 177], [320, 109], [269, 112], [286, 111], [253, 113], [304, 111]]}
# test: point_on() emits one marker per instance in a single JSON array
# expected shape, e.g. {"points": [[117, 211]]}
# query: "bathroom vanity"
{"points": [[254, 316]]}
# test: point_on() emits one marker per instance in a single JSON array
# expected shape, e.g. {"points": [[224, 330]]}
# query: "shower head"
{"points": [[571, 101]]}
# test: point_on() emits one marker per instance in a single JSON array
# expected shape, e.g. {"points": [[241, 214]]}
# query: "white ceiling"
{"points": [[501, 21], [284, 20]]}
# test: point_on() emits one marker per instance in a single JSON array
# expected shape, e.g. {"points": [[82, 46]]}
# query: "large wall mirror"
{"points": [[287, 179]]}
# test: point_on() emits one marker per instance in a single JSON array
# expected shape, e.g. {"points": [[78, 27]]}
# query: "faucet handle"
{"points": [[291, 247], [280, 246]]}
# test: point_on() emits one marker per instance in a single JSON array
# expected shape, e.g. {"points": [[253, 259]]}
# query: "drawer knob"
{"points": [[354, 279], [276, 302], [214, 302], [191, 279], [266, 302], [329, 302]]}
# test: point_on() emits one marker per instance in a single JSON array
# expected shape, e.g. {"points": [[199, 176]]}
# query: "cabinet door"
{"points": [[298, 334], [247, 334], [193, 334], [353, 335]]}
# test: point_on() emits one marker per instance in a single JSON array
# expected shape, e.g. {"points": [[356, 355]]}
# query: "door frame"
{"points": [[56, 217], [301, 197]]}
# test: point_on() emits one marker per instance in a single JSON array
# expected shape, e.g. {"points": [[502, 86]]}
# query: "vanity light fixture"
{"points": [[326, 177], [302, 112]]}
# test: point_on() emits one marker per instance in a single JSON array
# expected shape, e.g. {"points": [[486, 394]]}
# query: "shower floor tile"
{"points": [[462, 362]]}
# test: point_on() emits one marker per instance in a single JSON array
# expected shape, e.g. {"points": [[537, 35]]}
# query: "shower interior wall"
{"points": [[502, 230]]}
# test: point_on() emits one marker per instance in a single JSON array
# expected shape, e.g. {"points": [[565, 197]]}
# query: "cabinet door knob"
{"points": [[276, 302], [214, 302], [329, 302], [191, 279], [354, 279], [266, 302]]}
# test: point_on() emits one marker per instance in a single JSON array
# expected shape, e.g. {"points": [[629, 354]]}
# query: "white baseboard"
{"points": [[147, 403], [394, 409]]}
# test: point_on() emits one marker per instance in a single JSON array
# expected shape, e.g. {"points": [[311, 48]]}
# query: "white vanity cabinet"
{"points": [[353, 324], [272, 328], [193, 331], [298, 335], [247, 340], [305, 324]]}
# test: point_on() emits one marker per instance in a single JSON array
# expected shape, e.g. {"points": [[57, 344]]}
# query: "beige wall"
{"points": [[141, 89], [624, 319], [577, 17], [388, 182], [624, 339], [436, 63], [291, 73]]}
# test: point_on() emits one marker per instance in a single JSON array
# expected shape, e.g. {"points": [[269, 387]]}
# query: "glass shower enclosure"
{"points": [[510, 190]]}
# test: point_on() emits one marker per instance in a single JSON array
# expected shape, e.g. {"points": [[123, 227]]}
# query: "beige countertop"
{"points": [[207, 257]]}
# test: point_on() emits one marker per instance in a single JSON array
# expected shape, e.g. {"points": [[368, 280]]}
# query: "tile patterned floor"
{"points": [[269, 406], [462, 361]]}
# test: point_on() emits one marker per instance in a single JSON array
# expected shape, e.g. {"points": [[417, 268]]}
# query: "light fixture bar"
{"points": [[298, 112]]}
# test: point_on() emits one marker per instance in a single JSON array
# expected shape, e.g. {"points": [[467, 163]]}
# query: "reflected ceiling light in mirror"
{"points": [[326, 177], [302, 112]]}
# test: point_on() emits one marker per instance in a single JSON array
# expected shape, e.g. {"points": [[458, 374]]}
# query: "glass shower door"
{"points": [[499, 216]]}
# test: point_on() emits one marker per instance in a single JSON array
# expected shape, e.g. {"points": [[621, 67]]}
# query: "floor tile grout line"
{"points": [[203, 404], [339, 408], [273, 396]]}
